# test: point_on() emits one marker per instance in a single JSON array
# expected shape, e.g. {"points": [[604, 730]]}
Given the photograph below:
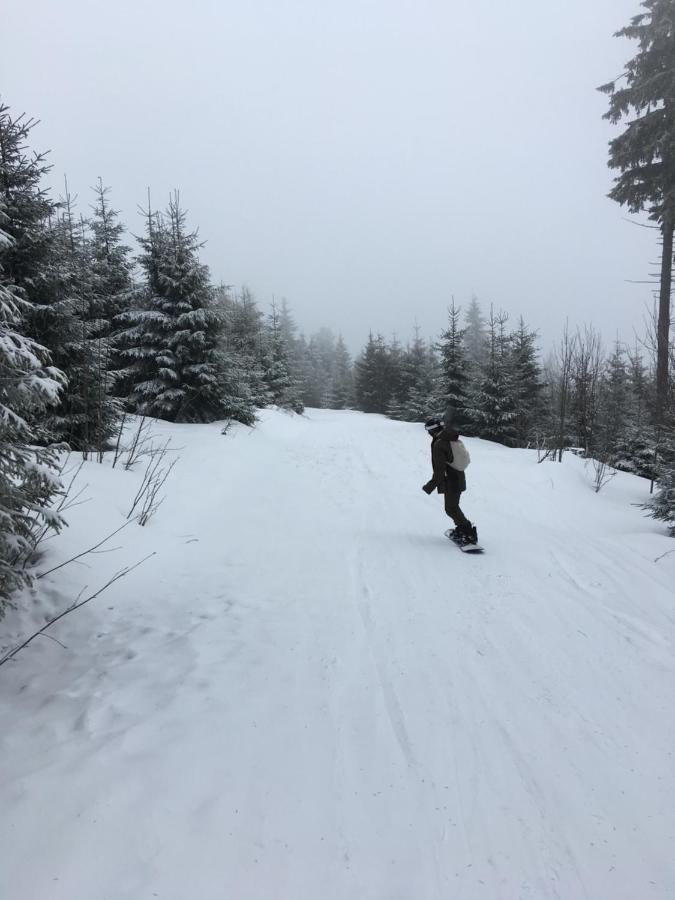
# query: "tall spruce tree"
{"points": [[343, 377], [394, 376], [662, 504], [637, 451], [372, 384], [28, 384], [586, 377], [527, 385], [87, 416], [475, 336], [418, 381], [237, 394], [111, 264], [243, 340], [170, 342], [494, 409], [283, 388], [644, 153], [454, 378], [318, 369], [615, 403]]}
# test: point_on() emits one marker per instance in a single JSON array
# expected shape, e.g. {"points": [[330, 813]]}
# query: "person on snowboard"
{"points": [[448, 481]]}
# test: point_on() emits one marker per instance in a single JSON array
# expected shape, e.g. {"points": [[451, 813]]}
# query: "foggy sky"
{"points": [[365, 159]]}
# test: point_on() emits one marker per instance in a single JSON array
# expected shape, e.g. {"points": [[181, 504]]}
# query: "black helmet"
{"points": [[434, 425]]}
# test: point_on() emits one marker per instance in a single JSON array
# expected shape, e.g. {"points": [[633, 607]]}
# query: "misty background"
{"points": [[365, 160]]}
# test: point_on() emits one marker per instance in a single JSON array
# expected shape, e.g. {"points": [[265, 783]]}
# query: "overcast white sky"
{"points": [[365, 159]]}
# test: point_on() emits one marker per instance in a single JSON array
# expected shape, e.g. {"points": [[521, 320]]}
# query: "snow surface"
{"points": [[310, 694]]}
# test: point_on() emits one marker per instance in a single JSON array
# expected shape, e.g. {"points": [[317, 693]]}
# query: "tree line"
{"points": [[91, 329]]}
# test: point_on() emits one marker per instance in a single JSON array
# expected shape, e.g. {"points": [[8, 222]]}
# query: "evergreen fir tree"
{"points": [[28, 384], [282, 387], [306, 363], [320, 368], [640, 389], [343, 381], [68, 324], [372, 385], [111, 264], [644, 153], [419, 378], [527, 386], [394, 374], [170, 342], [243, 340], [454, 380], [615, 405], [237, 398], [27, 208], [474, 336], [494, 410], [587, 361], [636, 449], [662, 505]]}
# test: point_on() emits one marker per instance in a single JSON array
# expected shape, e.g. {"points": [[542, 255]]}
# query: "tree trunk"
{"points": [[662, 338]]}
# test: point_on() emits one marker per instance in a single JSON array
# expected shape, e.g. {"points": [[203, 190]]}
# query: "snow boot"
{"points": [[469, 534]]}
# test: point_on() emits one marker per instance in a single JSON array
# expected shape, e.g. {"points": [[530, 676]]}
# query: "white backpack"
{"points": [[460, 456]]}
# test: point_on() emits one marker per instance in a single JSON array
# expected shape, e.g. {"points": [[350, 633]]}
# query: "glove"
{"points": [[428, 487]]}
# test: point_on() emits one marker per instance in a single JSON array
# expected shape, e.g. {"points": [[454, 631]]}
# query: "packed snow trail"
{"points": [[310, 694]]}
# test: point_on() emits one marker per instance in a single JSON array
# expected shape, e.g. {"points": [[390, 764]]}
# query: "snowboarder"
{"points": [[447, 480]]}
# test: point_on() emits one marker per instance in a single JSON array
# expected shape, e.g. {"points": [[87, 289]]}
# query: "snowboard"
{"points": [[465, 548]]}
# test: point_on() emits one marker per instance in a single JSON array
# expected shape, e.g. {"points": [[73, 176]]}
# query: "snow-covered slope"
{"points": [[309, 694]]}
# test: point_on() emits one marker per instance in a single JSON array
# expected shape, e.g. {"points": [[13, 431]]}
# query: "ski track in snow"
{"points": [[310, 693]]}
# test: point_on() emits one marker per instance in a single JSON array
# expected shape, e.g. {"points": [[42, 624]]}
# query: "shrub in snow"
{"points": [[662, 505]]}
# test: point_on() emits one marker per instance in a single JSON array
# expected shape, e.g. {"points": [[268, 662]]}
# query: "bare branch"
{"points": [[85, 552], [75, 605]]}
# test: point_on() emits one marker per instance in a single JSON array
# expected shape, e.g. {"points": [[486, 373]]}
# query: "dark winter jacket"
{"points": [[444, 476]]}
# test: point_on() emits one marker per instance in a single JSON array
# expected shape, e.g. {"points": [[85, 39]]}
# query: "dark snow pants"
{"points": [[452, 496]]}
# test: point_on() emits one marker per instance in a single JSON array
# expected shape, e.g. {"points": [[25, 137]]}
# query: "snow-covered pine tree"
{"points": [[306, 369], [453, 386], [475, 338], [110, 262], [494, 409], [527, 384], [587, 362], [243, 340], [170, 338], [395, 358], [372, 385], [662, 504], [294, 347], [636, 449], [343, 376], [318, 369], [86, 417], [111, 293], [643, 154], [238, 403], [641, 388], [28, 476], [615, 410], [282, 386], [28, 384], [418, 379]]}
